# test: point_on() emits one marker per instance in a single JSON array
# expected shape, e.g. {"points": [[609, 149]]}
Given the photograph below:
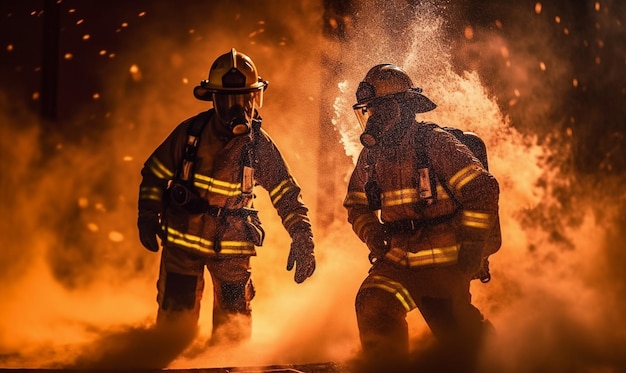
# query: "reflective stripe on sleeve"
{"points": [[363, 221], [464, 176], [476, 219], [150, 193], [158, 169], [355, 198], [281, 189]]}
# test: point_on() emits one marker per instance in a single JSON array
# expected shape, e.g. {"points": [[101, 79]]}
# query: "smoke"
{"points": [[76, 275]]}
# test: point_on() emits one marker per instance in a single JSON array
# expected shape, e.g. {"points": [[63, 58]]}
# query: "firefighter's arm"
{"points": [[272, 173], [156, 172], [150, 206], [476, 192], [365, 222]]}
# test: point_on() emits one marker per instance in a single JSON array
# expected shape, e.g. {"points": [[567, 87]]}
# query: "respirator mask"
{"points": [[236, 110], [375, 118]]}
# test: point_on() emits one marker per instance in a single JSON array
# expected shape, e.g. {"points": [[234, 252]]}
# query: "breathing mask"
{"points": [[235, 111], [377, 117]]}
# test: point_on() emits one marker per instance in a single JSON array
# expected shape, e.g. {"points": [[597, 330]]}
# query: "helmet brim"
{"points": [[420, 103], [204, 93]]}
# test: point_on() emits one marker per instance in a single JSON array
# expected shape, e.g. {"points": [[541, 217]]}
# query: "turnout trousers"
{"points": [[181, 284], [442, 296]]}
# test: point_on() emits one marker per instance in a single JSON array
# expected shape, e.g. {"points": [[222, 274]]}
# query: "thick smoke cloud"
{"points": [[75, 273]]}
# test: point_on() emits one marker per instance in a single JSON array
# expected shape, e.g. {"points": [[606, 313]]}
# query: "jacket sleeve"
{"points": [[471, 185], [159, 169], [362, 219], [274, 175]]}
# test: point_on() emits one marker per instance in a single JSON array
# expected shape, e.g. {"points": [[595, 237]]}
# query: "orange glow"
{"points": [[96, 308]]}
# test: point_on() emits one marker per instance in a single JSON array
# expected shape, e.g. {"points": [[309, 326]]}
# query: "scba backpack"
{"points": [[477, 146]]}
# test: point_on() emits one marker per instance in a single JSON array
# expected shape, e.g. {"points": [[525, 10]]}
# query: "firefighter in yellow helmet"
{"points": [[425, 207], [197, 195]]}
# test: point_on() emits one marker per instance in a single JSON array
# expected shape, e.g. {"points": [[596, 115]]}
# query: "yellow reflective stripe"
{"points": [[436, 255], [464, 176], [289, 220], [442, 193], [355, 198], [202, 245], [158, 169], [277, 193], [217, 186], [393, 287], [476, 219], [400, 197], [362, 221], [294, 218], [152, 193]]}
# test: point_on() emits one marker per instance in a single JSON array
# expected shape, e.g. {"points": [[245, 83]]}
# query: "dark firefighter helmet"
{"points": [[389, 81]]}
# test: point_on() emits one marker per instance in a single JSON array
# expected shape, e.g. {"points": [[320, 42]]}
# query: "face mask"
{"points": [[235, 110], [382, 116]]}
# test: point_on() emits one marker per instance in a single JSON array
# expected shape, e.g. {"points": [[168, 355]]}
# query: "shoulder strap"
{"points": [[427, 180], [194, 131]]}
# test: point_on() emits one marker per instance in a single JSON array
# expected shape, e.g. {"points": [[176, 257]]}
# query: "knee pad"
{"points": [[372, 300], [180, 292]]}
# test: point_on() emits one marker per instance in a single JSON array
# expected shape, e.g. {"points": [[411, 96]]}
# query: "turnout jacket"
{"points": [[435, 196], [226, 170]]}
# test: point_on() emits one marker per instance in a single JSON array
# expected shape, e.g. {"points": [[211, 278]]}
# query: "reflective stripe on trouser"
{"points": [[381, 307], [441, 293]]}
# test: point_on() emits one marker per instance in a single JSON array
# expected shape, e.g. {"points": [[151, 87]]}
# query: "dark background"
{"points": [[594, 48], [594, 110]]}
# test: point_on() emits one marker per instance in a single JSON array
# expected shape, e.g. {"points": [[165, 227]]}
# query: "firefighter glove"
{"points": [[378, 241], [149, 226], [470, 257], [301, 255]]}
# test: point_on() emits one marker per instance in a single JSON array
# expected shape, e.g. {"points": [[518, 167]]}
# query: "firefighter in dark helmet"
{"points": [[425, 208], [197, 196]]}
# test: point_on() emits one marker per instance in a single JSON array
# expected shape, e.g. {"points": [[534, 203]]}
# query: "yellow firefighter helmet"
{"points": [[235, 89], [231, 73]]}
